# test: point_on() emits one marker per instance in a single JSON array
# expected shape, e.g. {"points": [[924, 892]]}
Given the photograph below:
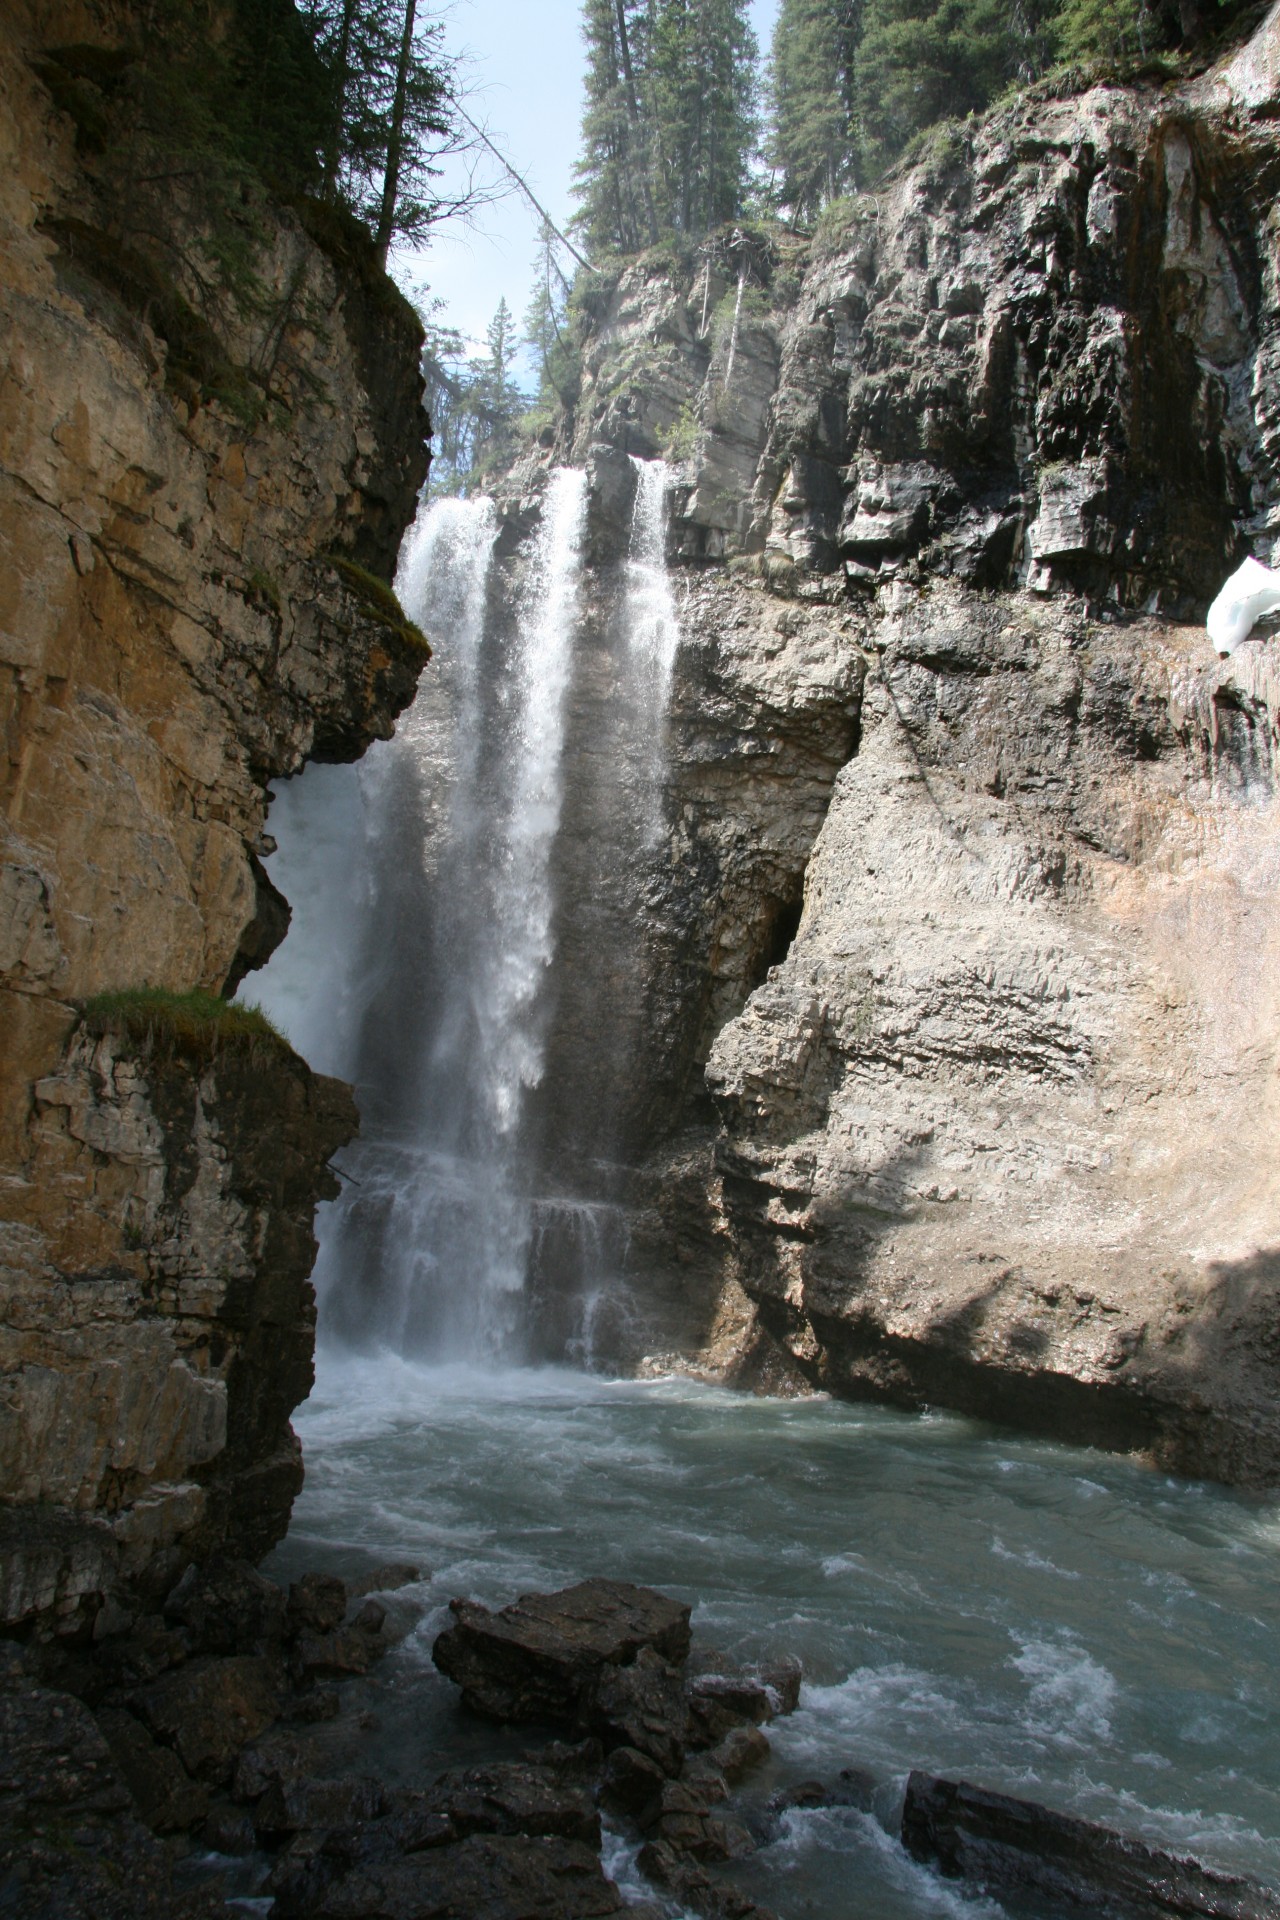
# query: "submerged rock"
{"points": [[1016, 1846], [693, 1886]]}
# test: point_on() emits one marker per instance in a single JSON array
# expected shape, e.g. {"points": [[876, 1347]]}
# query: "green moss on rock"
{"points": [[192, 1026], [380, 602]]}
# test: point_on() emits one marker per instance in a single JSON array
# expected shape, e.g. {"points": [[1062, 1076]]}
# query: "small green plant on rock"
{"points": [[682, 440], [193, 1026], [380, 602]]}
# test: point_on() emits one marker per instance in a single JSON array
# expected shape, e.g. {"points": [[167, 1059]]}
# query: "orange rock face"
{"points": [[172, 637]]}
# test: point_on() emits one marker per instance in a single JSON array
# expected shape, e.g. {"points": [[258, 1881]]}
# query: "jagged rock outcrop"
{"points": [[174, 633], [995, 1130]]}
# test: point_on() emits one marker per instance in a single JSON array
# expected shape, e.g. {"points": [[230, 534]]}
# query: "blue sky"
{"points": [[524, 61]]}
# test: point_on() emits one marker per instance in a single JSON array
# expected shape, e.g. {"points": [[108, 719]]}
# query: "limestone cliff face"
{"points": [[173, 635], [997, 1107]]}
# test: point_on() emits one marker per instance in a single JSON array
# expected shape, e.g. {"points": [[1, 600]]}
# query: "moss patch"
{"points": [[192, 1026], [380, 602]]}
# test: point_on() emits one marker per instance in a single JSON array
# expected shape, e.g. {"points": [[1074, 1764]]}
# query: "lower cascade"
{"points": [[422, 963]]}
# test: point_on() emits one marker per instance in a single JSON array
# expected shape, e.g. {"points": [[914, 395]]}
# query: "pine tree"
{"points": [[1107, 30], [615, 174], [493, 396], [390, 105], [547, 328], [670, 121], [701, 93], [811, 100], [920, 61]]}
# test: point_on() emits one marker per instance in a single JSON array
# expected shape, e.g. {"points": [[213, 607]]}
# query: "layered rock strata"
{"points": [[952, 492], [190, 608]]}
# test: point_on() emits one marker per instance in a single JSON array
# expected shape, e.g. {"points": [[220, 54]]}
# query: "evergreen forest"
{"points": [[689, 127], [351, 108], [679, 135]]}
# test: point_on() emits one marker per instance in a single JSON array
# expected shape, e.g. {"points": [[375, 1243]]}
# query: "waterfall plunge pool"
{"points": [[1051, 1622]]}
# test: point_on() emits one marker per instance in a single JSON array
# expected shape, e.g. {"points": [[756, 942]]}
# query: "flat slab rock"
{"points": [[537, 1658], [1015, 1845]]}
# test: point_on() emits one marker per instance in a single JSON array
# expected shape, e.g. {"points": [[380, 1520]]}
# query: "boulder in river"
{"points": [[1016, 1846], [539, 1658]]}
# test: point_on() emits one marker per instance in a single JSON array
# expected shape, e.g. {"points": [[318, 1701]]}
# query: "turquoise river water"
{"points": [[1053, 1622]]}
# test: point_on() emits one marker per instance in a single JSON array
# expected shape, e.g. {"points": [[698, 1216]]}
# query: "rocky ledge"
{"points": [[209, 1726], [206, 1750]]}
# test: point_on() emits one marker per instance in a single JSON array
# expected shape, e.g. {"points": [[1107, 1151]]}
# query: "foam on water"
{"points": [[1071, 1696], [783, 1525]]}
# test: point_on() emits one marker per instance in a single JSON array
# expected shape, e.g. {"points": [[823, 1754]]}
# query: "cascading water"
{"points": [[651, 627], [429, 1250], [429, 907]]}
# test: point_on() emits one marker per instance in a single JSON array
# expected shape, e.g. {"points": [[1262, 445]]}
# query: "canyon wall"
{"points": [[199, 496], [966, 914]]}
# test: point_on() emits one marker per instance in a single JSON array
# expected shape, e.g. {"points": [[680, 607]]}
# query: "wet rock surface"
{"points": [[541, 1657], [512, 1839], [497, 1878], [1015, 1846], [189, 1724], [200, 1726], [71, 1842], [674, 1736]]}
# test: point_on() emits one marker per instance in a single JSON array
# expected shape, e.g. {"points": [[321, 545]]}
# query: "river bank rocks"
{"points": [[1015, 1847], [192, 605], [211, 1744], [185, 1725], [221, 1747], [672, 1734]]}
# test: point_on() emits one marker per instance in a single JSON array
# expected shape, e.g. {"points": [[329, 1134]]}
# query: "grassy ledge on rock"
{"points": [[379, 601], [194, 1026]]}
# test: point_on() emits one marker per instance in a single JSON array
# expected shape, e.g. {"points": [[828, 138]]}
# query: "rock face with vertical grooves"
{"points": [[173, 635], [969, 900]]}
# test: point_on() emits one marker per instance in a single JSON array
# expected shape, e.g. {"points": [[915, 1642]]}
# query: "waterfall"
{"points": [[431, 1250], [517, 951], [652, 634], [649, 610], [434, 886]]}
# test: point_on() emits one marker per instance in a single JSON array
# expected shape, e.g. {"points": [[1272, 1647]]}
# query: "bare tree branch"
{"points": [[521, 183]]}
